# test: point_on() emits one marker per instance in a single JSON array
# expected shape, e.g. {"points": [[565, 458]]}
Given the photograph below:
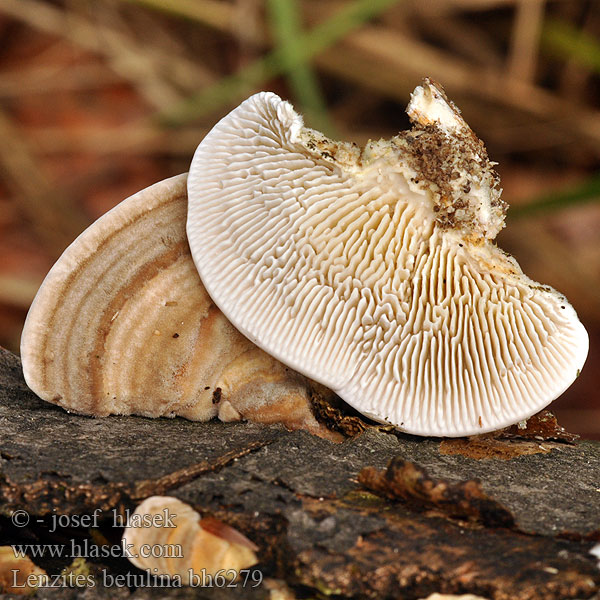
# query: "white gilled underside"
{"points": [[373, 270]]}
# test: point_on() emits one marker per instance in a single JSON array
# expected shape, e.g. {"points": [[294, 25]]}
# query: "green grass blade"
{"points": [[567, 41], [586, 192], [284, 18], [233, 88]]}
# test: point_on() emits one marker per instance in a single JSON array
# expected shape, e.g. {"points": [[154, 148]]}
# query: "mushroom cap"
{"points": [[123, 325], [188, 544], [372, 270]]}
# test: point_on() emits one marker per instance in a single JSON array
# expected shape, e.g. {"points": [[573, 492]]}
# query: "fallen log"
{"points": [[380, 515]]}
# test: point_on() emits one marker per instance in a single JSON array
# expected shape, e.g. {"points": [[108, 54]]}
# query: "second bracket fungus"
{"points": [[123, 325], [373, 270]]}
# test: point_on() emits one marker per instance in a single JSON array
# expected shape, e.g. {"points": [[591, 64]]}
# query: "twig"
{"points": [[49, 79], [18, 291], [218, 15], [55, 218], [461, 36], [138, 139], [169, 49], [525, 40], [248, 29], [131, 61], [81, 32], [393, 63]]}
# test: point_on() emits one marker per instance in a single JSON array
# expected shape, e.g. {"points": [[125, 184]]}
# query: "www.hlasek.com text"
{"points": [[87, 549]]}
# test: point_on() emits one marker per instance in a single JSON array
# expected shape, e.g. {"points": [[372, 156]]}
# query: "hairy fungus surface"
{"points": [[123, 325]]}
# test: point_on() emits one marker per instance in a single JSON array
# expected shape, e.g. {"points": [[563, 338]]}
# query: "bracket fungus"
{"points": [[373, 271], [123, 325], [167, 537]]}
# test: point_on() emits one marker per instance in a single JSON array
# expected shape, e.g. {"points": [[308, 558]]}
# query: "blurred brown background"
{"points": [[100, 98]]}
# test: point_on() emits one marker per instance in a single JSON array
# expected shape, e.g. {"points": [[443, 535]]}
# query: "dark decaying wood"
{"points": [[381, 515]]}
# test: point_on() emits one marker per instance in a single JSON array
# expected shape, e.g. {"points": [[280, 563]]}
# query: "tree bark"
{"points": [[380, 515]]}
